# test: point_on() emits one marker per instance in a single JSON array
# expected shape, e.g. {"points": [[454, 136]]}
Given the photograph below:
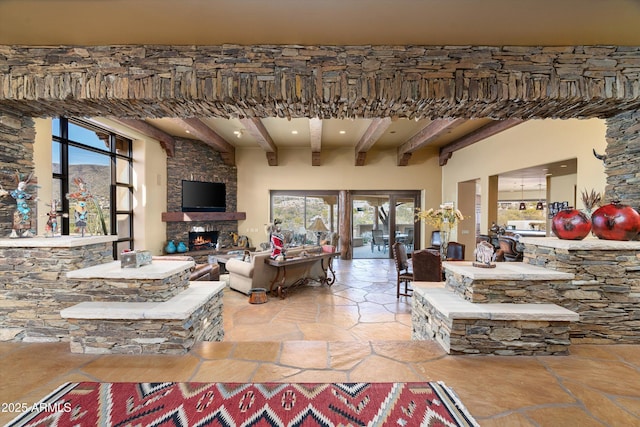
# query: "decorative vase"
{"points": [[170, 248], [571, 224], [182, 247], [615, 221], [444, 243]]}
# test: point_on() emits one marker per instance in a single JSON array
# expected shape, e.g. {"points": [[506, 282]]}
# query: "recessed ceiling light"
{"points": [[187, 131], [294, 132], [342, 132]]}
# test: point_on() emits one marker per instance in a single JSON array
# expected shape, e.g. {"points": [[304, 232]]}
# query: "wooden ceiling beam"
{"points": [[477, 135], [204, 133], [375, 130], [257, 130], [167, 142], [425, 136], [315, 136]]}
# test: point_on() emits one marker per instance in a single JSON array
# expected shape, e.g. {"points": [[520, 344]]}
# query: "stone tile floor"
{"points": [[356, 331]]}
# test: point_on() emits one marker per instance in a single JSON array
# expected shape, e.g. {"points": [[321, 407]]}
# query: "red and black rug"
{"points": [[233, 404]]}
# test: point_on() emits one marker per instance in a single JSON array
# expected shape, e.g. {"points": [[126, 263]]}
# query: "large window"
{"points": [[92, 181], [298, 209]]}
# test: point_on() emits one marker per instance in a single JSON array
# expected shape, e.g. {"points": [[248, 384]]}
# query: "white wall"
{"points": [[44, 171], [529, 144], [337, 172]]}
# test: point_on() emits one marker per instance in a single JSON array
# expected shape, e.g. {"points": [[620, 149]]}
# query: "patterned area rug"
{"points": [[231, 404]]}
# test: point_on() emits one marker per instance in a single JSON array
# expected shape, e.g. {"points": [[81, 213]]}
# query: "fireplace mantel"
{"points": [[202, 216]]}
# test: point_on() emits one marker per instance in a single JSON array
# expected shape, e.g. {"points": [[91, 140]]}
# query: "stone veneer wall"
{"points": [[484, 336], [149, 336], [133, 290], [605, 292], [33, 289], [506, 291], [194, 160], [320, 81], [17, 135], [622, 164]]}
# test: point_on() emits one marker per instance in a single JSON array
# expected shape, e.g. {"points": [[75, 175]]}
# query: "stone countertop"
{"points": [[158, 269], [180, 306], [587, 244], [505, 271], [56, 242], [453, 306]]}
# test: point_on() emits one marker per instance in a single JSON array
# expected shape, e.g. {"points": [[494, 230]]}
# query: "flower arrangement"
{"points": [[446, 217]]}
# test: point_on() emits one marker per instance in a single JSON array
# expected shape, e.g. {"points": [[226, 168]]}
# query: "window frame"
{"points": [[114, 154]]}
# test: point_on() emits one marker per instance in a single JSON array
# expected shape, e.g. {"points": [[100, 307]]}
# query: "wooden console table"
{"points": [[326, 261]]}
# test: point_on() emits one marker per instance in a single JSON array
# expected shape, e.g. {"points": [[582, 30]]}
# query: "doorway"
{"points": [[381, 218]]}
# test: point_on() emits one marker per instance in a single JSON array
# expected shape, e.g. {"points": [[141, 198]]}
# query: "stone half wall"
{"points": [[149, 336], [34, 287], [605, 291], [194, 160]]}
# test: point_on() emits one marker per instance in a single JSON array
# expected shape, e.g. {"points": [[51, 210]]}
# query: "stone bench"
{"points": [[463, 327], [171, 327]]}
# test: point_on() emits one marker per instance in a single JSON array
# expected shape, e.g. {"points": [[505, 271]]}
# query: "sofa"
{"points": [[245, 275]]}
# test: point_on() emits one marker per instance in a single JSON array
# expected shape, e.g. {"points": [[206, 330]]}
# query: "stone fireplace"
{"points": [[202, 240], [211, 169]]}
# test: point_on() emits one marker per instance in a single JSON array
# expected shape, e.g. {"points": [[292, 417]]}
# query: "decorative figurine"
{"points": [[22, 215], [52, 221], [484, 255], [82, 196], [276, 238]]}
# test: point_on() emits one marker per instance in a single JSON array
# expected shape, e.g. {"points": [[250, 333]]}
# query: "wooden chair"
{"points": [[427, 265], [455, 251], [405, 276], [378, 240]]}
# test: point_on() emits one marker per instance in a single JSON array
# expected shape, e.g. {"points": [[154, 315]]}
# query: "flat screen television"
{"points": [[198, 196]]}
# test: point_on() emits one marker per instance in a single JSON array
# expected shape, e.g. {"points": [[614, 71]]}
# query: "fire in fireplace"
{"points": [[201, 240]]}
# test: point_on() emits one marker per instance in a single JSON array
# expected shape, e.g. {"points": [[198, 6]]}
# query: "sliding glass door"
{"points": [[381, 218]]}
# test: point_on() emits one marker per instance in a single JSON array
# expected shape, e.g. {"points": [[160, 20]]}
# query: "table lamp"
{"points": [[318, 227]]}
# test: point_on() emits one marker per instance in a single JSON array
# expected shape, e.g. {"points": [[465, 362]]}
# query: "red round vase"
{"points": [[616, 221], [570, 224]]}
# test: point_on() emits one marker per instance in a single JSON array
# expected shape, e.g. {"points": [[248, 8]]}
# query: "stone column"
{"points": [[622, 163], [17, 136]]}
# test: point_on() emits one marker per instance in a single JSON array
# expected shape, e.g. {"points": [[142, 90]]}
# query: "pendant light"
{"points": [[523, 205], [539, 205]]}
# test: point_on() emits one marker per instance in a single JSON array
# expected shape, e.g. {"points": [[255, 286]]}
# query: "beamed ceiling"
{"points": [[327, 22]]}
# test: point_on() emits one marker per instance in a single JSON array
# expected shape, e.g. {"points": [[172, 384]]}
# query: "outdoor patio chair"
{"points": [[405, 275], [378, 240], [408, 241]]}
